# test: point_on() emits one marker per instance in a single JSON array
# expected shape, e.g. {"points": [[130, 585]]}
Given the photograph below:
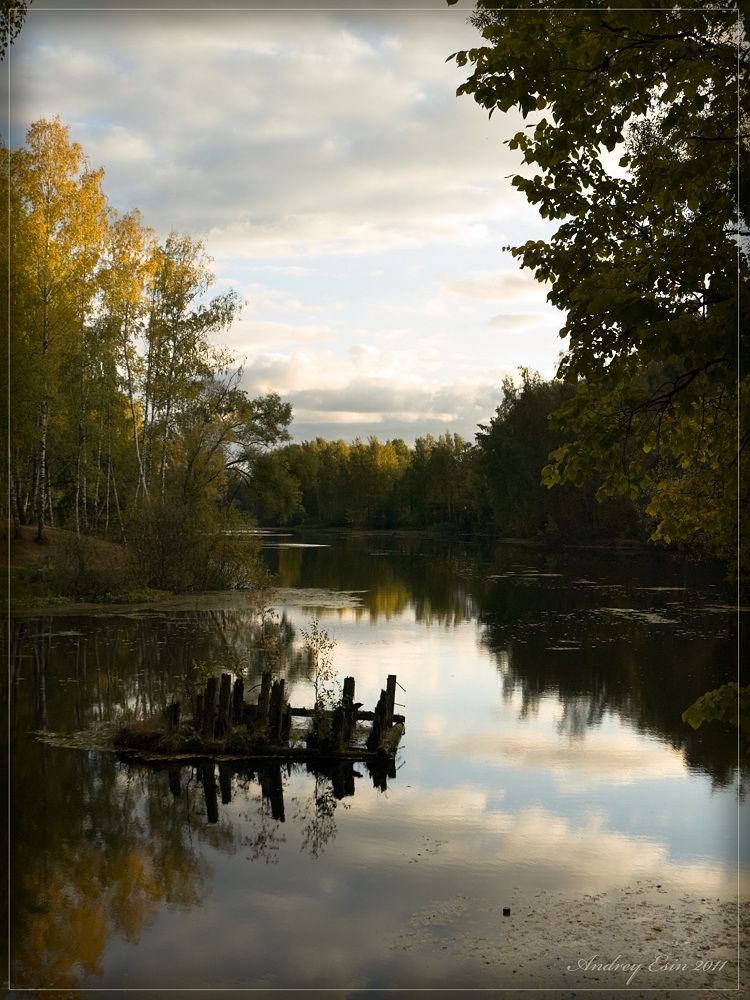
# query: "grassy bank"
{"points": [[64, 568]]}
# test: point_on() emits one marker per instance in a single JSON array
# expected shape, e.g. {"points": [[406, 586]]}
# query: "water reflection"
{"points": [[407, 875], [118, 849], [127, 840], [641, 654], [69, 672], [406, 575], [333, 780], [545, 755]]}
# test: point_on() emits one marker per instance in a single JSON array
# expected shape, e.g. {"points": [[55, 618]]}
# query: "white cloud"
{"points": [[355, 204], [495, 286], [335, 396]]}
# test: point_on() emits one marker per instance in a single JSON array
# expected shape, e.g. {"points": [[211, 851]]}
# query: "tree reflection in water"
{"points": [[140, 846]]}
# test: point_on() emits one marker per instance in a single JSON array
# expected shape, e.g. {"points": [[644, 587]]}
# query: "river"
{"points": [[549, 823]]}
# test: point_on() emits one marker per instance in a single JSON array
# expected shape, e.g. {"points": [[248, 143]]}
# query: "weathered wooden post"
{"points": [[376, 733], [390, 702], [338, 724], [263, 701], [276, 711], [238, 701], [222, 718], [209, 707]]}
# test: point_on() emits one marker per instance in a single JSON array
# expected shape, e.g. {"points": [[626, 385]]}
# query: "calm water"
{"points": [[545, 768]]}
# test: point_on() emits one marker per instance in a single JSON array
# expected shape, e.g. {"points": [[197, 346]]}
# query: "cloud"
{"points": [[355, 204], [260, 298], [494, 286], [518, 321], [372, 391], [276, 133]]}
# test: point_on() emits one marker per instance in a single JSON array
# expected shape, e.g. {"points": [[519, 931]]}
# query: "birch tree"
{"points": [[57, 245], [179, 353], [126, 297]]}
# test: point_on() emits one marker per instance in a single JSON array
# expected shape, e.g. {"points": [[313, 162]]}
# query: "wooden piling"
{"points": [[228, 725], [337, 726], [390, 701], [238, 701], [222, 716], [378, 723], [263, 701], [276, 711], [209, 708]]}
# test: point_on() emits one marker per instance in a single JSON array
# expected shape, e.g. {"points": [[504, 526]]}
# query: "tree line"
{"points": [[493, 483], [127, 421]]}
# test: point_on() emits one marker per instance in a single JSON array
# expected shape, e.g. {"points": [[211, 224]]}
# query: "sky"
{"points": [[357, 206]]}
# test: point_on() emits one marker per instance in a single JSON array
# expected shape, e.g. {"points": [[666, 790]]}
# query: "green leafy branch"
{"points": [[728, 703]]}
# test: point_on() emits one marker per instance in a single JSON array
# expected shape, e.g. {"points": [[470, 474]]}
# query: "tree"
{"points": [[179, 355], [274, 496], [448, 474], [372, 470], [58, 228], [331, 468], [262, 423], [124, 410], [437, 486], [639, 144], [512, 450], [12, 16], [126, 280], [19, 429]]}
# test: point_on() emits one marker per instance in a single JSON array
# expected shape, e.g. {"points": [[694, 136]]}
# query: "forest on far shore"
{"points": [[493, 483]]}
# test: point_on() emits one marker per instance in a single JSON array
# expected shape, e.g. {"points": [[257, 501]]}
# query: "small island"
{"points": [[224, 724]]}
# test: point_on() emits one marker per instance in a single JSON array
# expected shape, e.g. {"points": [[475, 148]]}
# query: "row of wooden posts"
{"points": [[221, 705]]}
